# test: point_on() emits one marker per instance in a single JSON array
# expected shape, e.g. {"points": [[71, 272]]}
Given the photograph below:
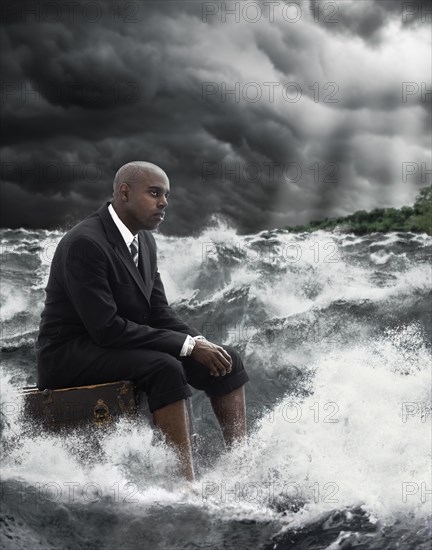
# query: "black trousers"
{"points": [[164, 378]]}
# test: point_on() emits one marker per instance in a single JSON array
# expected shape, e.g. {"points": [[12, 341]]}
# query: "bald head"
{"points": [[135, 173], [140, 195]]}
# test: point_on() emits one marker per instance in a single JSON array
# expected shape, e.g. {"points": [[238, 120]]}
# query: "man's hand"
{"points": [[214, 357]]}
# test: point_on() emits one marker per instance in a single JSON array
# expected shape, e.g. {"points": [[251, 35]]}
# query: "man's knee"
{"points": [[171, 368], [168, 383], [237, 362]]}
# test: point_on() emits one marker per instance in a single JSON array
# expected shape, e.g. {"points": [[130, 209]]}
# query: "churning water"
{"points": [[335, 332]]}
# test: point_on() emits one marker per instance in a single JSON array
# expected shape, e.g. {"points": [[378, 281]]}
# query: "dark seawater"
{"points": [[335, 331]]}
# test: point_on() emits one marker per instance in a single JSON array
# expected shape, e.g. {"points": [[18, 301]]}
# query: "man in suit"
{"points": [[106, 317]]}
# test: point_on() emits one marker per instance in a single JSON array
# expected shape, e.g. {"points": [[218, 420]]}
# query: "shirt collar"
{"points": [[125, 233]]}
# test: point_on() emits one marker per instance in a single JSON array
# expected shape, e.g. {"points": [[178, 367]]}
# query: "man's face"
{"points": [[147, 199]]}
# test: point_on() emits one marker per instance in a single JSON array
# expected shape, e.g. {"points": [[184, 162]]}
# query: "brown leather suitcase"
{"points": [[97, 405]]}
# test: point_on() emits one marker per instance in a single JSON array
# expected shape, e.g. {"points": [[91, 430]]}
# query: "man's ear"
{"points": [[124, 191]]}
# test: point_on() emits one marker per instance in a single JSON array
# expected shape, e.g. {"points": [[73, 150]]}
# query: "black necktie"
{"points": [[134, 250]]}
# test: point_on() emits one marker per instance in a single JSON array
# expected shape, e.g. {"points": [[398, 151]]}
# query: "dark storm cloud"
{"points": [[367, 18], [89, 89]]}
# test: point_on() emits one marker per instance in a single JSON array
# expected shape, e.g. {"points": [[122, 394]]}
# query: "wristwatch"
{"points": [[190, 343]]}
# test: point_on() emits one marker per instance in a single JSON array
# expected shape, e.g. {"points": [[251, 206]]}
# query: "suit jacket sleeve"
{"points": [[88, 288], [162, 315]]}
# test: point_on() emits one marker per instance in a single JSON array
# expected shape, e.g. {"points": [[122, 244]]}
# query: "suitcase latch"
{"points": [[101, 413]]}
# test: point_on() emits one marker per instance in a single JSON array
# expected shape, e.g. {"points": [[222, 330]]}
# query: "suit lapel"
{"points": [[141, 277]]}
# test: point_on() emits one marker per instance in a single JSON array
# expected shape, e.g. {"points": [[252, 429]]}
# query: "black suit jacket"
{"points": [[95, 288]]}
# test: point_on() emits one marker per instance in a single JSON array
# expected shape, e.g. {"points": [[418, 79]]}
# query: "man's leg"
{"points": [[173, 422], [230, 410], [159, 375], [226, 394]]}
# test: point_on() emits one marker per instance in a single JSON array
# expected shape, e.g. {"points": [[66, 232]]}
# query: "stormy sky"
{"points": [[265, 113]]}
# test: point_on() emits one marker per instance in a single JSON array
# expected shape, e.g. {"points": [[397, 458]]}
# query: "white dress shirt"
{"points": [[125, 233], [128, 238]]}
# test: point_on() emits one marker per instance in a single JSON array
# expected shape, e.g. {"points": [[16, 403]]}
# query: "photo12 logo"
{"points": [[73, 11], [253, 92], [93, 93], [268, 173], [279, 12], [412, 90], [420, 411], [410, 169], [413, 489], [70, 491], [259, 492], [416, 10], [291, 412], [291, 253]]}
